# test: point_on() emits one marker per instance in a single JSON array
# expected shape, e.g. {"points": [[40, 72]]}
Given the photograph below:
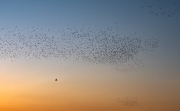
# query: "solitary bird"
{"points": [[56, 80]]}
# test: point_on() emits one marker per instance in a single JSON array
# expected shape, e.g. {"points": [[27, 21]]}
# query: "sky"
{"points": [[30, 33]]}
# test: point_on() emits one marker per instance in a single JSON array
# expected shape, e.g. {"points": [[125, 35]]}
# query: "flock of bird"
{"points": [[128, 101], [95, 46], [160, 8]]}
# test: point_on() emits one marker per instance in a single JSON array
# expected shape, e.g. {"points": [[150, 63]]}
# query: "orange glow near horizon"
{"points": [[87, 88], [84, 90]]}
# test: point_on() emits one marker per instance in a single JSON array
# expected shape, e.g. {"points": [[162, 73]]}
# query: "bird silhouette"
{"points": [[160, 8]]}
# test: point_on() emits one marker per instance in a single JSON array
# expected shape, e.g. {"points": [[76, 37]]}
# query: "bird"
{"points": [[56, 80]]}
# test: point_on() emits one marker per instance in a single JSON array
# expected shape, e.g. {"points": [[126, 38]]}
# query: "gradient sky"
{"points": [[28, 85]]}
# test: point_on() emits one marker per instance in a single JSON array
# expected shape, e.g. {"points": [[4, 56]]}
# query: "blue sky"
{"points": [[128, 16]]}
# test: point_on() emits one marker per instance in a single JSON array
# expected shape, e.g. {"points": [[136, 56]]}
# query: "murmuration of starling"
{"points": [[128, 101], [161, 8], [78, 45]]}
